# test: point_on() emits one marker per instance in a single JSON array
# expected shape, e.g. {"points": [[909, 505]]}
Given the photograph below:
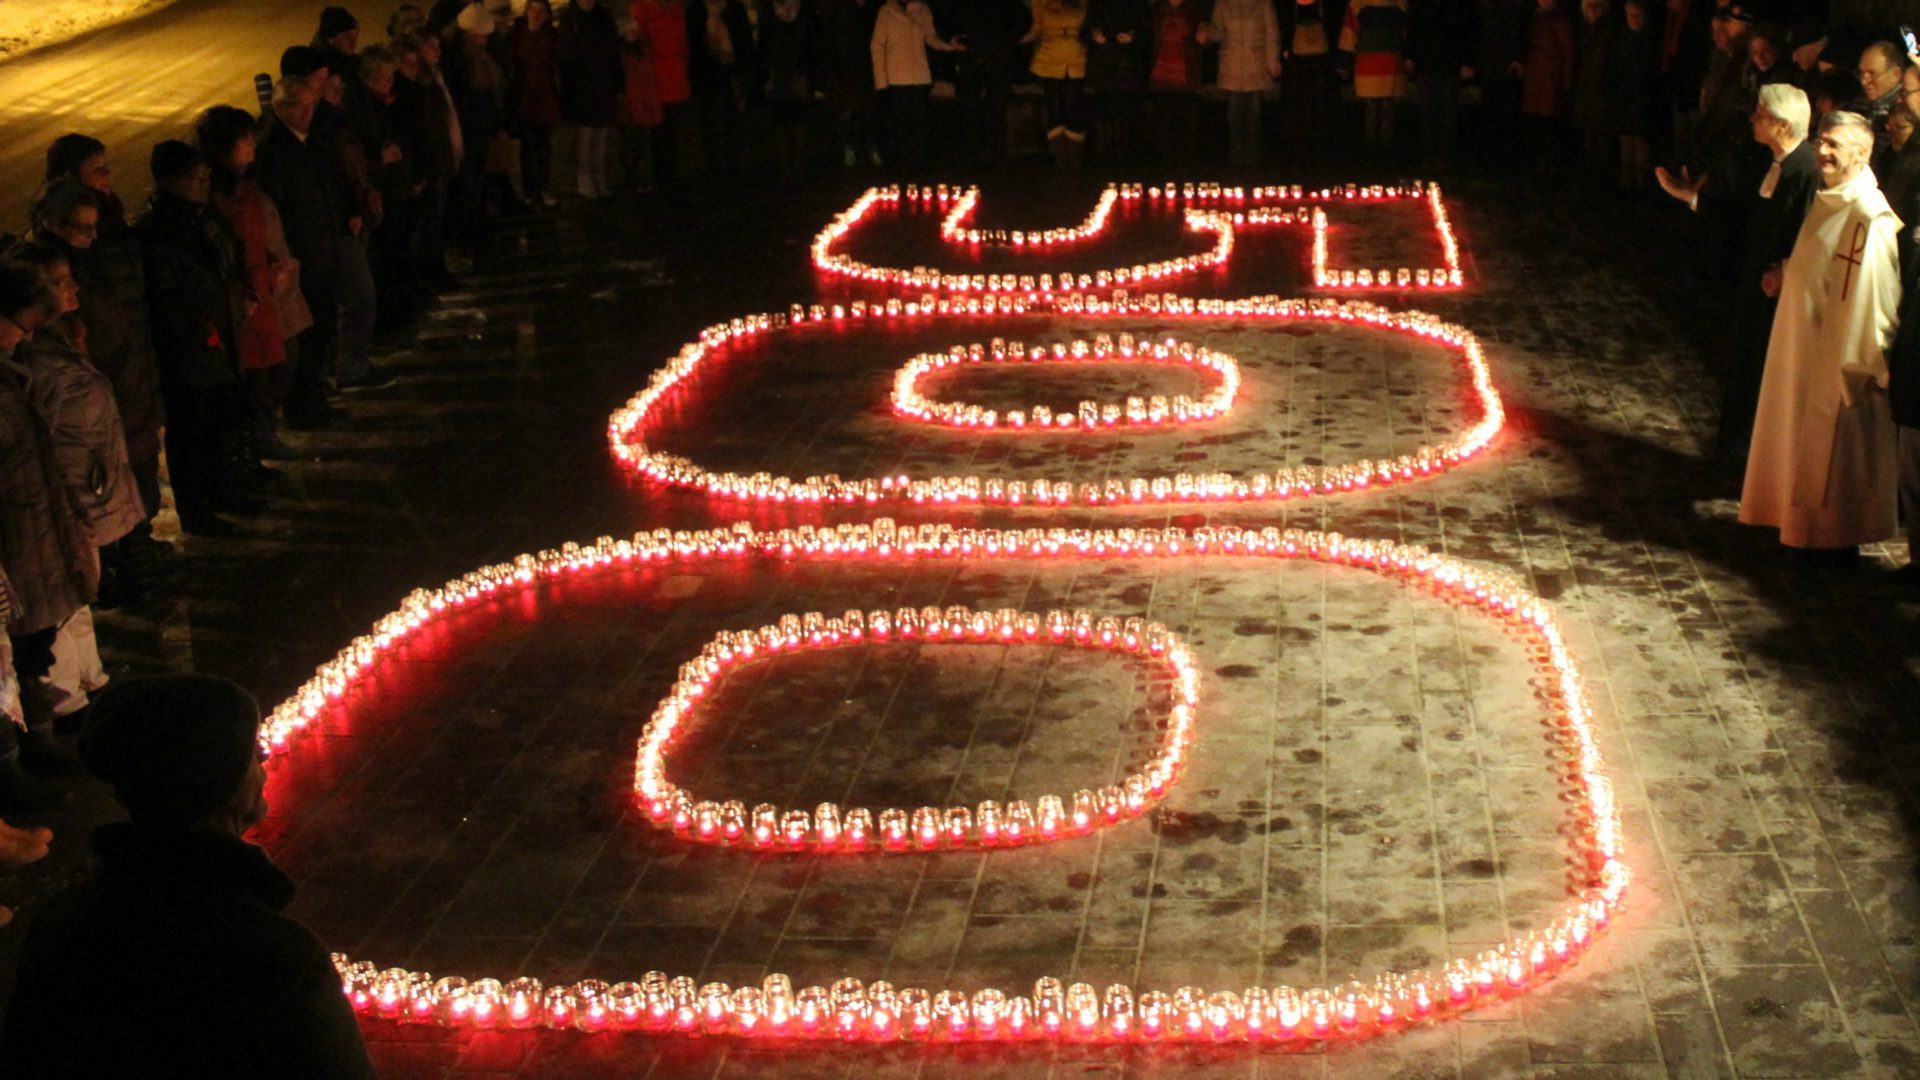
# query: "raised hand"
{"points": [[18, 847]]}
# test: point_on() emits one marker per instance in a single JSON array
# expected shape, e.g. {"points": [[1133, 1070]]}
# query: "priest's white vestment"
{"points": [[1821, 468]]}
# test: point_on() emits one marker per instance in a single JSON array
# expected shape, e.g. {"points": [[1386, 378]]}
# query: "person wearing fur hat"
{"points": [[181, 924]]}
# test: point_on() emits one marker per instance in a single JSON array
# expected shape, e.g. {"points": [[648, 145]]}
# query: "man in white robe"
{"points": [[1822, 468]]}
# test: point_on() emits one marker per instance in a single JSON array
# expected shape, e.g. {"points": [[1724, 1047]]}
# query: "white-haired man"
{"points": [[1776, 204], [1821, 466]]}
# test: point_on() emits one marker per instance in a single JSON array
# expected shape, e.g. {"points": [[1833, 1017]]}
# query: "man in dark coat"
{"points": [[848, 74], [437, 153], [379, 131], [196, 292], [1116, 36], [1443, 44], [181, 928], [991, 31], [592, 78], [722, 77], [1686, 46], [1775, 205], [303, 181]]}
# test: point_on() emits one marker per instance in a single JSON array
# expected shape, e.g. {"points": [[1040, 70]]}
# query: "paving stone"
{"points": [[1782, 1021]]}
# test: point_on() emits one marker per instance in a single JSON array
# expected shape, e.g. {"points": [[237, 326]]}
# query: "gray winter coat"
{"points": [[44, 551], [113, 304], [76, 404]]}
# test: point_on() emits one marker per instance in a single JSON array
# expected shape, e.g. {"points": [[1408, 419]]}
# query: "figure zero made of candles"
{"points": [[1137, 411], [850, 1009], [1210, 209], [628, 428], [828, 828]]}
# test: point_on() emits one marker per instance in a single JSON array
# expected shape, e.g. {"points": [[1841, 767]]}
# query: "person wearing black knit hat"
{"points": [[182, 920], [172, 158], [335, 24], [302, 62], [338, 38]]}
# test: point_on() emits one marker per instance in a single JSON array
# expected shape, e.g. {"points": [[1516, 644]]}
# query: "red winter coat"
{"points": [[640, 106], [1550, 64], [261, 343], [661, 36]]}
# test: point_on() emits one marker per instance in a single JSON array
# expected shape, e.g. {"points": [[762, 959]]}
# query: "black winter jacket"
{"points": [[1113, 65], [304, 182], [195, 281], [176, 961]]}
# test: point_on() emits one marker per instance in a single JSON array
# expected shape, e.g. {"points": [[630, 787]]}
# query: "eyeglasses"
{"points": [[1869, 75], [84, 230]]}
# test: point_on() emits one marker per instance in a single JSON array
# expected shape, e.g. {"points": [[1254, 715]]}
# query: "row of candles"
{"points": [[630, 426], [850, 1009], [854, 1011], [1191, 191], [829, 828], [955, 228], [920, 278], [1196, 191], [1136, 411], [1447, 275]]}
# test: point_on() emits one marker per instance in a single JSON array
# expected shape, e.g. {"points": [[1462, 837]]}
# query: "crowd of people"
{"points": [[1808, 248], [246, 293]]}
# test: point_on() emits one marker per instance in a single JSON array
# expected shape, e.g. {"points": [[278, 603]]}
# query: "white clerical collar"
{"points": [[1862, 179]]}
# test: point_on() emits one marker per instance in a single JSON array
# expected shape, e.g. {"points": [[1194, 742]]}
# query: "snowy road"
{"points": [[137, 83]]}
